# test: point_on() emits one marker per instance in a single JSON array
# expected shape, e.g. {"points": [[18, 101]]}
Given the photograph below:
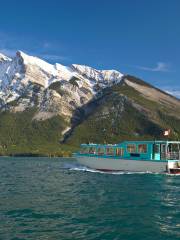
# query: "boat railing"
{"points": [[172, 156]]}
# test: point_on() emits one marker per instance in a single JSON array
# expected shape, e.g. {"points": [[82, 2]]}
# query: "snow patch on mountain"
{"points": [[52, 88], [4, 58], [99, 76]]}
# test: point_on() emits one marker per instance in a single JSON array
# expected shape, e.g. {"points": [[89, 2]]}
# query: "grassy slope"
{"points": [[128, 124], [114, 127], [20, 135]]}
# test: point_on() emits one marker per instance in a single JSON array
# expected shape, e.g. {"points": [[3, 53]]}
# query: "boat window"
{"points": [[174, 147], [100, 151], [110, 151], [135, 155], [92, 150], [119, 151], [84, 150], [131, 148], [142, 148], [156, 148]]}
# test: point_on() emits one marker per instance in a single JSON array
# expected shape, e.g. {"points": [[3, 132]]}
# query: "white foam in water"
{"points": [[171, 174], [86, 169], [77, 167]]}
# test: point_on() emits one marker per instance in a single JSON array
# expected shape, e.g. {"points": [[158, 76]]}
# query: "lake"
{"points": [[54, 198]]}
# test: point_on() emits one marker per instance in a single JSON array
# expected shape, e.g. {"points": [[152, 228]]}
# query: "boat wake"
{"points": [[86, 169], [81, 168]]}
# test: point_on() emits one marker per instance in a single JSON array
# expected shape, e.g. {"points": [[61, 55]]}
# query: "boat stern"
{"points": [[174, 166]]}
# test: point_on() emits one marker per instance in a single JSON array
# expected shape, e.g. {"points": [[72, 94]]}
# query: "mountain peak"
{"points": [[17, 75], [109, 77], [35, 61], [20, 53]]}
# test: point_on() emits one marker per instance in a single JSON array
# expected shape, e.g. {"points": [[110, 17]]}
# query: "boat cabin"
{"points": [[145, 150]]}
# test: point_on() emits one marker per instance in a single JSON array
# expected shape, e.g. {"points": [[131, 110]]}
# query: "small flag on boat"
{"points": [[167, 132]]}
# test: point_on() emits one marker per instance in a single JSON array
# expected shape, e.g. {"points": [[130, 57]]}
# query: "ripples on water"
{"points": [[43, 198]]}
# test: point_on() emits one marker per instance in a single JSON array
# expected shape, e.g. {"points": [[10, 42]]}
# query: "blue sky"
{"points": [[138, 37]]}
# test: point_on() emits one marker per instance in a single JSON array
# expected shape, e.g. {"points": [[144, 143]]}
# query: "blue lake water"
{"points": [[43, 198]]}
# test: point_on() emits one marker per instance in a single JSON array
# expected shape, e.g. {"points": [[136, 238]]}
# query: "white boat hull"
{"points": [[114, 164]]}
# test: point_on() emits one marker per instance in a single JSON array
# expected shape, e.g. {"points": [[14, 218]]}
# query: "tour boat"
{"points": [[133, 156]]}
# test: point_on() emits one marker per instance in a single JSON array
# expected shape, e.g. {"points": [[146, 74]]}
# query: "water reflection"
{"points": [[53, 199]]}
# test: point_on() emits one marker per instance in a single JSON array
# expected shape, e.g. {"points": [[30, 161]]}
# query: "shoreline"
{"points": [[33, 156], [7, 156]]}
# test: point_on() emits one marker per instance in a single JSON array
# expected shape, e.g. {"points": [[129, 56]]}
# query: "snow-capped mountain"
{"points": [[28, 81], [43, 105]]}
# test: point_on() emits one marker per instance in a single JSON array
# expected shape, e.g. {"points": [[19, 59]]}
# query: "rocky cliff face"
{"points": [[27, 81], [86, 103]]}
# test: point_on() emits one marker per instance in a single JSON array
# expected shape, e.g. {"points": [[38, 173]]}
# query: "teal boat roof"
{"points": [[154, 141], [132, 142]]}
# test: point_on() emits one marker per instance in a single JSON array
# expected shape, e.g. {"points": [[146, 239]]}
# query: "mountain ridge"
{"points": [[67, 105]]}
